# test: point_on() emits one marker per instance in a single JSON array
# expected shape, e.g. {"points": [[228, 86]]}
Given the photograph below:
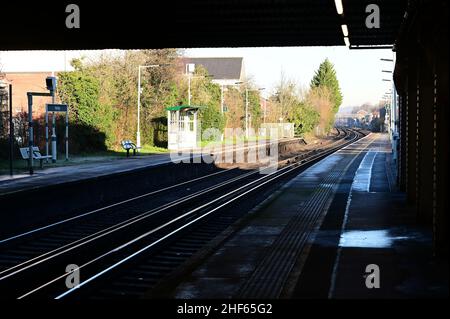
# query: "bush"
{"points": [[82, 138], [210, 117], [90, 123], [305, 119], [159, 132]]}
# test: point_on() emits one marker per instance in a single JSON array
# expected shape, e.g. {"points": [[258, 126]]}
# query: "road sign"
{"points": [[56, 107]]}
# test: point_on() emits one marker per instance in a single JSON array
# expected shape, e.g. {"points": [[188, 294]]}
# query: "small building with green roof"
{"points": [[182, 127]]}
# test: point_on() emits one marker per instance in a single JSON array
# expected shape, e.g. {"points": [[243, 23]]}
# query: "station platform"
{"points": [[71, 173], [80, 172], [317, 235]]}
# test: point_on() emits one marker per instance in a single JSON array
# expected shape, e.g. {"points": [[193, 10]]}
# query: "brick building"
{"points": [[23, 82]]}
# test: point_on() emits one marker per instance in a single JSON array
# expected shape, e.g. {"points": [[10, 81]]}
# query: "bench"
{"points": [[129, 145], [24, 151]]}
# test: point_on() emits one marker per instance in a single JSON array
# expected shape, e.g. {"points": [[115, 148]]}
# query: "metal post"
{"points": [[221, 99], [196, 131], [138, 133], [221, 107], [46, 133], [53, 138], [169, 129], [53, 132], [11, 133], [178, 128], [246, 112], [265, 110], [30, 132], [189, 88], [67, 134]]}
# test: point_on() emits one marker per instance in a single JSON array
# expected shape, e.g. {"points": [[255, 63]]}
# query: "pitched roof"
{"points": [[220, 68]]}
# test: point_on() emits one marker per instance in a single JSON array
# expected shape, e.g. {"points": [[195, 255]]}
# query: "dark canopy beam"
{"points": [[199, 23]]}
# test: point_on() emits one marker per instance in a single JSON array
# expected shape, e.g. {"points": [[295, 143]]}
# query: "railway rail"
{"points": [[126, 248]]}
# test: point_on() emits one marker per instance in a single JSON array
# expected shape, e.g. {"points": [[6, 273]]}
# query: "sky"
{"points": [[359, 71]]}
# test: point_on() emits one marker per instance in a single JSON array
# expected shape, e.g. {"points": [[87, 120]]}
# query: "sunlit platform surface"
{"points": [[78, 172], [108, 166], [317, 236]]}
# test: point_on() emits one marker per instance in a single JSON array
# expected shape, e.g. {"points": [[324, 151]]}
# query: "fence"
{"points": [[285, 130]]}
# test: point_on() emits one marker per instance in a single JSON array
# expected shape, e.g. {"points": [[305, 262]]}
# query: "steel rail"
{"points": [[261, 182]]}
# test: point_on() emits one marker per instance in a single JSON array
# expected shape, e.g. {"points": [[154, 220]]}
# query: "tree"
{"points": [[205, 93], [81, 92], [211, 119], [235, 103], [254, 108], [320, 99], [118, 79], [295, 106], [286, 98], [305, 118], [325, 76]]}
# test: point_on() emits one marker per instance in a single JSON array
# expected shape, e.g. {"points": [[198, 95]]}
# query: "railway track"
{"points": [[125, 249]]}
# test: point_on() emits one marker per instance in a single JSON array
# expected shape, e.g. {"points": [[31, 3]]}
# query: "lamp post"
{"points": [[190, 68], [221, 98], [265, 110], [138, 133], [51, 86], [246, 112]]}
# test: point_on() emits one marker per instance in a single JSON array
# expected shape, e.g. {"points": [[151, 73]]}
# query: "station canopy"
{"points": [[201, 23]]}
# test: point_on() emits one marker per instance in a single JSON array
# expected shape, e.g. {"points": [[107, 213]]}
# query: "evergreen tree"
{"points": [[326, 76]]}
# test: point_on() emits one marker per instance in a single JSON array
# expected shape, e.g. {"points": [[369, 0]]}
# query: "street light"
{"points": [[221, 98], [138, 133], [190, 69], [265, 110]]}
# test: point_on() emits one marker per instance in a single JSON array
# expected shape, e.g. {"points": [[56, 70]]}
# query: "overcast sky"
{"points": [[358, 71]]}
